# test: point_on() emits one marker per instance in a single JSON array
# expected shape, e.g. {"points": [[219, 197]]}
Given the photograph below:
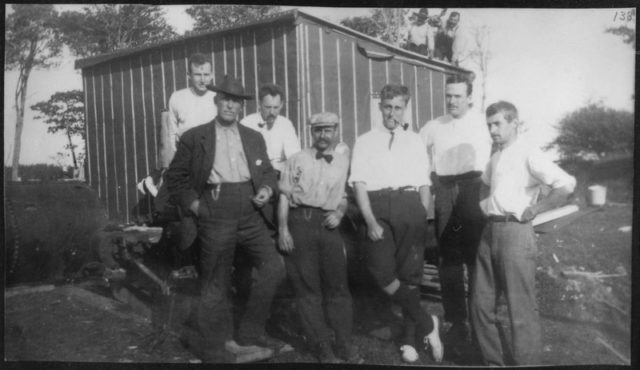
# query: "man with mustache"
{"points": [[458, 146], [390, 175], [222, 179], [278, 132], [312, 204], [506, 261]]}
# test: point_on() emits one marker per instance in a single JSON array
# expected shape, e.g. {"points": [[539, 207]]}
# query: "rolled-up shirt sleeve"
{"points": [[549, 173]]}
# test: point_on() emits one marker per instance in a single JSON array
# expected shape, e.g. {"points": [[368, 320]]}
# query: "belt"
{"points": [[226, 185], [505, 218], [400, 189], [467, 176]]}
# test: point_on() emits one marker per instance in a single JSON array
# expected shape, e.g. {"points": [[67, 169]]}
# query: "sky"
{"points": [[548, 62]]}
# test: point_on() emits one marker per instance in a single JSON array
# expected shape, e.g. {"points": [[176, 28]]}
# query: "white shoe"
{"points": [[433, 340], [409, 354]]}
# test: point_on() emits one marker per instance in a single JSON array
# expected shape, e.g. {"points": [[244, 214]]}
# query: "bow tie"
{"points": [[261, 125], [404, 126], [327, 157]]}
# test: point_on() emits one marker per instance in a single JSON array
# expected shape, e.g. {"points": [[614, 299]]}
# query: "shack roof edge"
{"points": [[289, 15]]}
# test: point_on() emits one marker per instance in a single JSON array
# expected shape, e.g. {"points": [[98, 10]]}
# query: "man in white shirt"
{"points": [[506, 255], [188, 107], [278, 131], [458, 146], [193, 105], [390, 175]]}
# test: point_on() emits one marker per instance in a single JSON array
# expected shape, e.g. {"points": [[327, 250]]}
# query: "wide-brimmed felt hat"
{"points": [[231, 86]]}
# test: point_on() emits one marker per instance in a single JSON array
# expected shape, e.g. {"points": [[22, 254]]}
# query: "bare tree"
{"points": [[31, 41]]}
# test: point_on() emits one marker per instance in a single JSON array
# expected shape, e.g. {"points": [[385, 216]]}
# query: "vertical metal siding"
{"points": [[87, 129]]}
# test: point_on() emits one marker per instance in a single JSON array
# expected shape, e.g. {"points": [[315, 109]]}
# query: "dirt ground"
{"points": [[584, 292]]}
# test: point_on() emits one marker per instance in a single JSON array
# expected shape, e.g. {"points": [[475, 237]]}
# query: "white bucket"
{"points": [[596, 195]]}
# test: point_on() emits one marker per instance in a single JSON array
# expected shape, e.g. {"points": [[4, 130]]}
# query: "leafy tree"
{"points": [[594, 131], [103, 28], [210, 17], [64, 111], [31, 41], [364, 25], [386, 24]]}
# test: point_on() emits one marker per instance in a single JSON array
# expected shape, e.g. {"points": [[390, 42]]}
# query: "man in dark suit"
{"points": [[222, 179]]}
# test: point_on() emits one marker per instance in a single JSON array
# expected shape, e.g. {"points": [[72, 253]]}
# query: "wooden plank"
{"points": [[423, 95], [332, 92], [141, 150], [167, 73], [264, 57], [293, 95], [362, 92], [250, 80], [279, 56], [92, 131], [218, 59], [396, 72], [378, 75], [107, 141], [347, 79], [439, 108], [227, 45], [180, 65], [130, 131], [120, 145], [316, 83]]}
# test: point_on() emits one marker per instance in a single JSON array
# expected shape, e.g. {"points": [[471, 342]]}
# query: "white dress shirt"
{"points": [[405, 164], [516, 175], [187, 110], [457, 145], [282, 141]]}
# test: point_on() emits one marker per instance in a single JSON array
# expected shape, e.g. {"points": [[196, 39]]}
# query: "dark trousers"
{"points": [[317, 269], [225, 224], [459, 222], [400, 254], [506, 264]]}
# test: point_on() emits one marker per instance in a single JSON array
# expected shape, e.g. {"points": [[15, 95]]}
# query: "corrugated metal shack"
{"points": [[321, 65]]}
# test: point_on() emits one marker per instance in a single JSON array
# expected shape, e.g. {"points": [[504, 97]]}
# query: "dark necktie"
{"points": [[261, 125], [327, 157], [391, 139]]}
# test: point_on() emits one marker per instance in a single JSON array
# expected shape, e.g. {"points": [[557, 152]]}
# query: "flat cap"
{"points": [[323, 119]]}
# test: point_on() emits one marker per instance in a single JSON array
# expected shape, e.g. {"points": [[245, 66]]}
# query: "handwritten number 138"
{"points": [[624, 16]]}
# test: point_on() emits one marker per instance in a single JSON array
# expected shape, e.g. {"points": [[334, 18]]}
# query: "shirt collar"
{"points": [[233, 127]]}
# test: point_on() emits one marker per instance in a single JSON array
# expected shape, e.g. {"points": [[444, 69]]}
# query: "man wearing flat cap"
{"points": [[312, 204], [221, 178]]}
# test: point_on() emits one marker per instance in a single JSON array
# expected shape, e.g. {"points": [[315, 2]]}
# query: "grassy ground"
{"points": [[54, 326]]}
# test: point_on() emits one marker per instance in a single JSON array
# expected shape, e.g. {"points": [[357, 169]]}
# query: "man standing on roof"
{"points": [[222, 178], [390, 175], [278, 132], [458, 147]]}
